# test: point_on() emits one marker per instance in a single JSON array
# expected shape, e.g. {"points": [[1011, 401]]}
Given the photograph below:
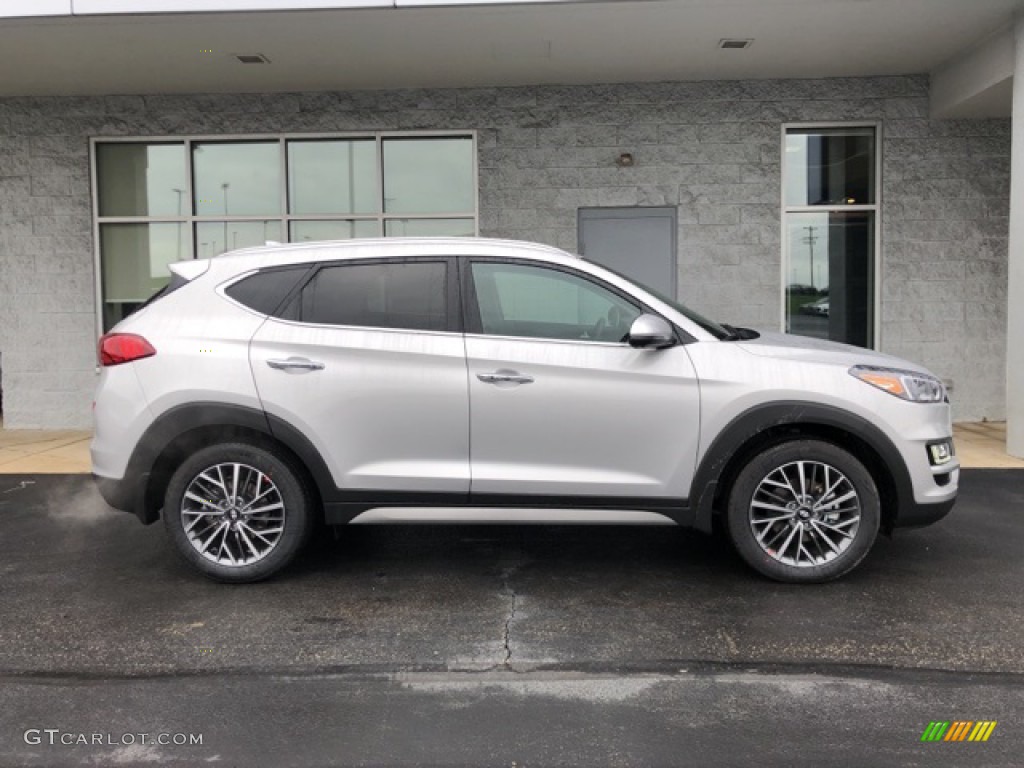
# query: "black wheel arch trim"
{"points": [[728, 448], [141, 490]]}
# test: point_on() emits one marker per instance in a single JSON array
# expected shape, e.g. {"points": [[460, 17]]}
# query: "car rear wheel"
{"points": [[805, 511], [237, 512]]}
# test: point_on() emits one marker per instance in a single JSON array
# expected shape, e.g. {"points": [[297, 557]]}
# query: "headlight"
{"points": [[908, 385]]}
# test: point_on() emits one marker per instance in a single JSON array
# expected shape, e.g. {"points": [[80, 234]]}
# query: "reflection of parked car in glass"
{"points": [[819, 307]]}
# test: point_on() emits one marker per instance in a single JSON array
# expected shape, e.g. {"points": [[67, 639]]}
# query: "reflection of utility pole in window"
{"points": [[810, 239]]}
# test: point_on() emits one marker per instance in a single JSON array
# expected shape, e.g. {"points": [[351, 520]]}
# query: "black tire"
{"points": [[818, 561], [289, 490]]}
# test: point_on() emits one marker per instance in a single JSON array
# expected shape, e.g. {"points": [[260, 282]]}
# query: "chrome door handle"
{"points": [[297, 364], [504, 376]]}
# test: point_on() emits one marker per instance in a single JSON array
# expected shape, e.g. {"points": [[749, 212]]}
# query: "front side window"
{"points": [[829, 227], [544, 303], [409, 295], [171, 199]]}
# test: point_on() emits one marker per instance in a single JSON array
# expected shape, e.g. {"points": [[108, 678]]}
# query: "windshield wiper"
{"points": [[739, 334]]}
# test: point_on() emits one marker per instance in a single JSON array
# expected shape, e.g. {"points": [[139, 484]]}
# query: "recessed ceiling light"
{"points": [[737, 43], [252, 58]]}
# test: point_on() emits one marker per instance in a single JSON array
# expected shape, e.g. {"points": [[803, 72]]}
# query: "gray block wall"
{"points": [[711, 148]]}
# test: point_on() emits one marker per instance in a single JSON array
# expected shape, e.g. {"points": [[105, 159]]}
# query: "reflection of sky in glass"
{"points": [[214, 237], [333, 230], [135, 258], [168, 243], [808, 248], [141, 179], [333, 177], [429, 228], [237, 179], [796, 169], [428, 175]]}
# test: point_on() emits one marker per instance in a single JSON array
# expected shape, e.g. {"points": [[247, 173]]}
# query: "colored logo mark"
{"points": [[958, 730]]}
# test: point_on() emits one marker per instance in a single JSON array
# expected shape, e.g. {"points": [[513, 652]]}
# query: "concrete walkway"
{"points": [[43, 451], [37, 451]]}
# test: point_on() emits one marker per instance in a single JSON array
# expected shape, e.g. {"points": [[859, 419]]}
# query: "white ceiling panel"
{"points": [[486, 45]]}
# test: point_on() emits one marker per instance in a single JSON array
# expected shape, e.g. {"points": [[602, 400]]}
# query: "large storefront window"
{"points": [[830, 189], [163, 200]]}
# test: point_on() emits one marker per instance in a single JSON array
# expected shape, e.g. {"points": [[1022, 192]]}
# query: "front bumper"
{"points": [[916, 515]]}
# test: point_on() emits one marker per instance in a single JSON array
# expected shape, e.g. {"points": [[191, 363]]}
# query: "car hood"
{"points": [[789, 347]]}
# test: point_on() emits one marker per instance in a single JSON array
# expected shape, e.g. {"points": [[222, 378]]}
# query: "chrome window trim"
{"points": [[544, 340], [375, 328]]}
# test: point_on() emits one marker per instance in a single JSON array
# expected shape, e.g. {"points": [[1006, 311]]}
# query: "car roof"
{"points": [[275, 254]]}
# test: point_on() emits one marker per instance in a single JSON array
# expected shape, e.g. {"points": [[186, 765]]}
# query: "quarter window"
{"points": [[264, 291], [409, 295], [536, 302]]}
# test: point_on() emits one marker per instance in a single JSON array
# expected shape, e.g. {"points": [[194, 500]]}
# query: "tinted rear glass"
{"points": [[397, 295], [264, 291]]}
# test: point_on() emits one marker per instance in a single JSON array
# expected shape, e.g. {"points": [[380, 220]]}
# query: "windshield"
{"points": [[710, 326]]}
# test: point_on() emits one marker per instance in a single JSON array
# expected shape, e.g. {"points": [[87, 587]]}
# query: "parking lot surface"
{"points": [[506, 646]]}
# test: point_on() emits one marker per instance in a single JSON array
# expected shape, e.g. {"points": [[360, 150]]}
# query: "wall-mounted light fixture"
{"points": [[625, 160]]}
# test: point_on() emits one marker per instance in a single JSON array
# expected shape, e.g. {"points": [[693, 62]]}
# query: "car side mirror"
{"points": [[651, 332]]}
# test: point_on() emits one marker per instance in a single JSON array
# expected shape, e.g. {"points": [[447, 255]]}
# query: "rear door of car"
{"points": [[367, 360], [560, 404]]}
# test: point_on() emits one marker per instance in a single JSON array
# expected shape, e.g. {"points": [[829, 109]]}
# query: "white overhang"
{"points": [[979, 81], [81, 47]]}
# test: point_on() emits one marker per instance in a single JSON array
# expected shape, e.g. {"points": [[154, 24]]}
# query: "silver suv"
{"points": [[473, 380]]}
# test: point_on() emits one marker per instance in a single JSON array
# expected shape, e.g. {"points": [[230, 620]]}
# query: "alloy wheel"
{"points": [[805, 513], [233, 514]]}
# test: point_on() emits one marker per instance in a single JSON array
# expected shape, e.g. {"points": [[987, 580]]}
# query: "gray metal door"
{"points": [[638, 242]]}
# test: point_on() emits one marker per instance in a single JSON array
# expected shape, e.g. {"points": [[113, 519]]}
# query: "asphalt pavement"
{"points": [[504, 646]]}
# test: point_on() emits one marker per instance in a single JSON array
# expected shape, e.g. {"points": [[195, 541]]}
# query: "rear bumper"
{"points": [[125, 495]]}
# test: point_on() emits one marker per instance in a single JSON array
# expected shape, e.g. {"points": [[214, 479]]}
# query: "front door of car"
{"points": [[368, 362], [560, 403]]}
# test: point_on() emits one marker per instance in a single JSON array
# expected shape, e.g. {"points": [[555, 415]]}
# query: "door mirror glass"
{"points": [[651, 332]]}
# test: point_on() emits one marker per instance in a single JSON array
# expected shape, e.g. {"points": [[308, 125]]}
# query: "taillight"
{"points": [[117, 348]]}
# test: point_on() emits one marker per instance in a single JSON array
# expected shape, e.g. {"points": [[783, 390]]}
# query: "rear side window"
{"points": [[409, 295], [264, 291]]}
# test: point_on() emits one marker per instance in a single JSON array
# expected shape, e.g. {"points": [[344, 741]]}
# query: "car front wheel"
{"points": [[805, 511], [237, 512]]}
